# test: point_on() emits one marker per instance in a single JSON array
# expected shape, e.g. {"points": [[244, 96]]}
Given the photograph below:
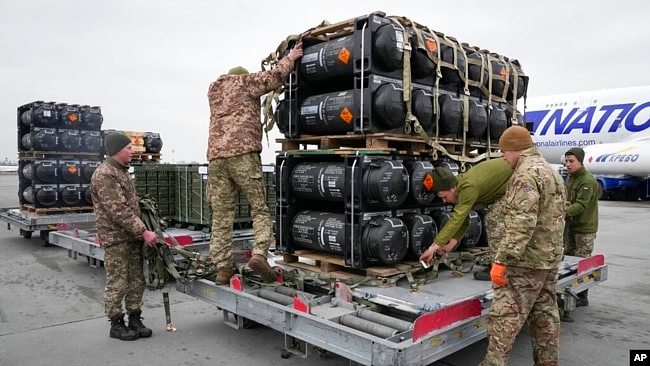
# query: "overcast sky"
{"points": [[148, 64]]}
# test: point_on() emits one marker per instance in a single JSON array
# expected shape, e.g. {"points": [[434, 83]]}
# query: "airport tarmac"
{"points": [[52, 313]]}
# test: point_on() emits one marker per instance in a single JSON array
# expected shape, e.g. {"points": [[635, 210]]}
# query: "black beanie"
{"points": [[577, 152], [114, 142]]}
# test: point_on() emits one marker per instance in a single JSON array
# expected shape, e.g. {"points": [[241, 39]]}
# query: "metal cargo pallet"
{"points": [[82, 242], [28, 222], [443, 316]]}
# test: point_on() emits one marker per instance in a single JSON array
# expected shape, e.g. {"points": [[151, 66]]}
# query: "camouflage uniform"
{"points": [[531, 250], [120, 233], [234, 145], [581, 214], [482, 184]]}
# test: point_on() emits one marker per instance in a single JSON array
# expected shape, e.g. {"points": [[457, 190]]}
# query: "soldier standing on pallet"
{"points": [[525, 268], [121, 233], [234, 147], [483, 184], [581, 213]]}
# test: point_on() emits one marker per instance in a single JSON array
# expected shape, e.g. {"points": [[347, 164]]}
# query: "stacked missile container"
{"points": [[385, 75], [59, 148]]}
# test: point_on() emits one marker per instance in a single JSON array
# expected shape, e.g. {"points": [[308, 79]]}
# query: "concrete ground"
{"points": [[51, 310]]}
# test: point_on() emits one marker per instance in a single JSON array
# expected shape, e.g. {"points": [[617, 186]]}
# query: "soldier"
{"points": [[581, 212], [121, 233], [483, 184], [525, 268], [234, 147]]}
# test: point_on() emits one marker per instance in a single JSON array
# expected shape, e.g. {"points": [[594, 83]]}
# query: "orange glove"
{"points": [[498, 274]]}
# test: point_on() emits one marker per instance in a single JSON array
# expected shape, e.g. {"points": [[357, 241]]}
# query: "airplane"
{"points": [[612, 126], [8, 168]]}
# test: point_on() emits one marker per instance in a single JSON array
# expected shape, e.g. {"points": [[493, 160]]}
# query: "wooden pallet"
{"points": [[28, 155], [56, 210], [390, 142], [145, 158], [335, 265]]}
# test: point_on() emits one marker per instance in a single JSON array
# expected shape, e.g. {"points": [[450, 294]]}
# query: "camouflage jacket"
{"points": [[235, 124], [582, 213], [116, 205], [484, 184], [534, 215]]}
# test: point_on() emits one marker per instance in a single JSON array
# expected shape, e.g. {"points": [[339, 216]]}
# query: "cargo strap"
{"points": [[159, 264], [411, 123], [272, 98]]}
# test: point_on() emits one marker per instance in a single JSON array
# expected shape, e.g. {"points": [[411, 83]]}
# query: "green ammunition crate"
{"points": [[180, 191]]}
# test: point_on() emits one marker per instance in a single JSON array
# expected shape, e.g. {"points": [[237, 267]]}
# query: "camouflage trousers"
{"points": [[225, 176], [124, 277], [494, 225], [529, 297], [579, 245]]}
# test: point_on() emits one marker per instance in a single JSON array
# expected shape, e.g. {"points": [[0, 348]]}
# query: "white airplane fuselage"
{"points": [[612, 126]]}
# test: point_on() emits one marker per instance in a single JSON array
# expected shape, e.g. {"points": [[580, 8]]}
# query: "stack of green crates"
{"points": [[158, 181], [180, 190]]}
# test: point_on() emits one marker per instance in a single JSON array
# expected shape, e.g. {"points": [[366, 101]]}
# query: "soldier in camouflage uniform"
{"points": [[581, 213], [483, 184], [121, 233], [234, 146], [525, 268]]}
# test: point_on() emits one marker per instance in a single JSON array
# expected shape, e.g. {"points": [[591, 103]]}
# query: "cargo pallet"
{"points": [[383, 143], [29, 221], [334, 265], [145, 157], [443, 316], [377, 141], [30, 155], [55, 210]]}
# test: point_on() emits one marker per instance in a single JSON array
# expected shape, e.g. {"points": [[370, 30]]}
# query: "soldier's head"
{"points": [[118, 146], [513, 141], [444, 184], [237, 70], [573, 159]]}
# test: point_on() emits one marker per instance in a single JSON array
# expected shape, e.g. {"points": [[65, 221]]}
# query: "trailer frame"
{"points": [[445, 322], [27, 222]]}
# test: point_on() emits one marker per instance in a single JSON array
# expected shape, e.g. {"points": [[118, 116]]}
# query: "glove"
{"points": [[498, 274]]}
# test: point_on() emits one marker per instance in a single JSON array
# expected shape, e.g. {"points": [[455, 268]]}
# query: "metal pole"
{"points": [[386, 320], [275, 297], [291, 291], [367, 326]]}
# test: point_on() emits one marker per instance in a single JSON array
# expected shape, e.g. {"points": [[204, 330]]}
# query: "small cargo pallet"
{"points": [[29, 155], [335, 265], [138, 149], [55, 210], [143, 157], [388, 142]]}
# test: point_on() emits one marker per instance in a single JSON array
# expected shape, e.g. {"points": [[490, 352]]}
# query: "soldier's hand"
{"points": [[296, 52], [449, 247], [150, 238], [498, 274], [428, 254]]}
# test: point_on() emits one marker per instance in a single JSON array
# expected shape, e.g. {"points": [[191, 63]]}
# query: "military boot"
{"points": [[482, 275], [261, 266], [120, 331], [223, 275], [566, 317], [135, 324]]}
